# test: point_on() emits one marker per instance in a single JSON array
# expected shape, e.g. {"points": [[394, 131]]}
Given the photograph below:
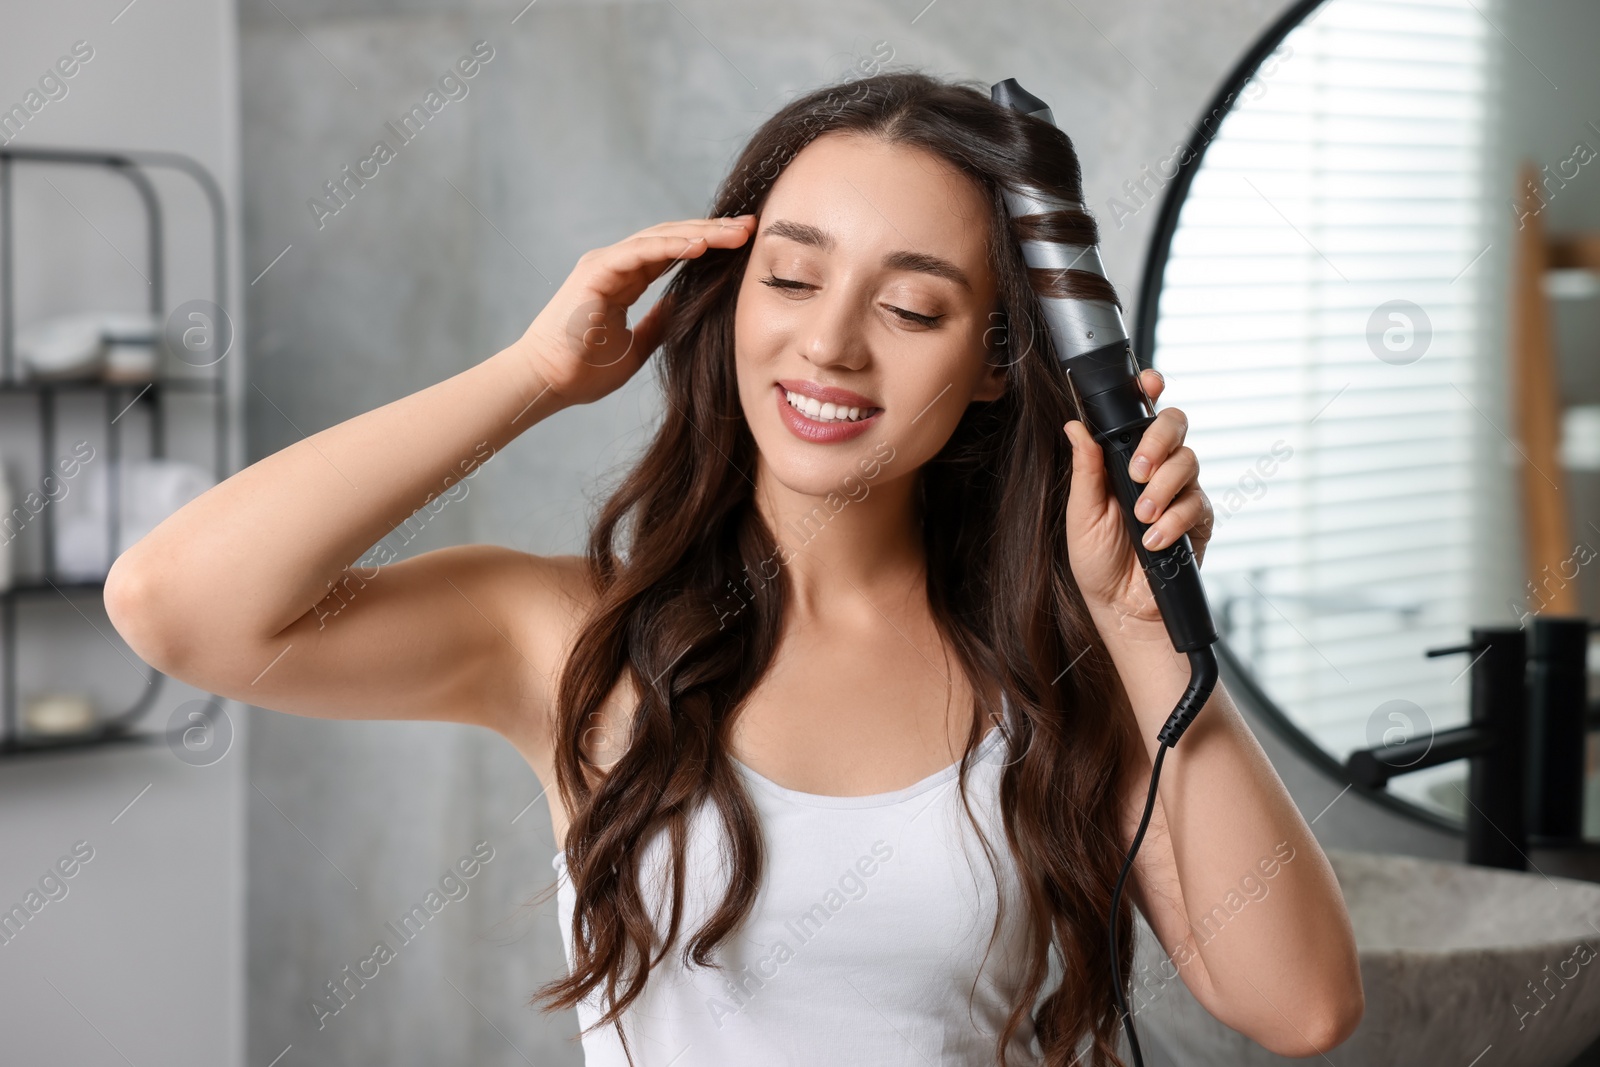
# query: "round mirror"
{"points": [[1373, 287]]}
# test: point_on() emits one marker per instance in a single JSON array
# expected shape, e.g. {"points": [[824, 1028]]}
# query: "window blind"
{"points": [[1345, 472]]}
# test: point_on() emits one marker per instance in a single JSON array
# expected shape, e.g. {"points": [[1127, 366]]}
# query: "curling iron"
{"points": [[1093, 347]]}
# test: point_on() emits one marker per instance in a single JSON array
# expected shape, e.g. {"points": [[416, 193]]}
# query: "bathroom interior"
{"points": [[1360, 239]]}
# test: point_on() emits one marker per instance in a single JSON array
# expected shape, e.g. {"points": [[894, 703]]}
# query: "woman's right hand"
{"points": [[581, 343]]}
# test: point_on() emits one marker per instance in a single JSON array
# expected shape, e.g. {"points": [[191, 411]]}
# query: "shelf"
{"points": [[35, 586], [13, 747], [97, 385], [210, 382]]}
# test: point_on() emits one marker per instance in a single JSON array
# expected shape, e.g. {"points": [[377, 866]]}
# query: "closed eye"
{"points": [[908, 316]]}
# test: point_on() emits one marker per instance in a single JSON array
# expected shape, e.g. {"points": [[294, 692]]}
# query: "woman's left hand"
{"points": [[1100, 551]]}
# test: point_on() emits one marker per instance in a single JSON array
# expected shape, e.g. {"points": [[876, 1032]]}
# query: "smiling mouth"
{"points": [[817, 411]]}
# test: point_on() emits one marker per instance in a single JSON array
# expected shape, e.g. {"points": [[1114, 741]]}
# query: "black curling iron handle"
{"points": [[1173, 573]]}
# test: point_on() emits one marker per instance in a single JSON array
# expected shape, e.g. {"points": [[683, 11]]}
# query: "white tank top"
{"points": [[867, 935]]}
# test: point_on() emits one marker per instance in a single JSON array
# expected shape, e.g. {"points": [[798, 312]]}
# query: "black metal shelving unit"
{"points": [[118, 397]]}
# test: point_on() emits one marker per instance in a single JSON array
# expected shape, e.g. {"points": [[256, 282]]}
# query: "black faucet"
{"points": [[1558, 729], [1524, 740], [1492, 741]]}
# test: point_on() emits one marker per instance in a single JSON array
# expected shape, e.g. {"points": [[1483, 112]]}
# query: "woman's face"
{"points": [[868, 286]]}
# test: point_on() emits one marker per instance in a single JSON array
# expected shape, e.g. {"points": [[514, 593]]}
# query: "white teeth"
{"points": [[819, 411]]}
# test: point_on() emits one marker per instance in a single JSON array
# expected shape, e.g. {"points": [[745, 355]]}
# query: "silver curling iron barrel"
{"points": [[1092, 345]]}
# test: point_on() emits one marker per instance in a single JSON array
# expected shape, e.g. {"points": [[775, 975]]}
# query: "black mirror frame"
{"points": [[1234, 675]]}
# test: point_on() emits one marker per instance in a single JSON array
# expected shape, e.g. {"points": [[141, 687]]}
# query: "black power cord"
{"points": [[1116, 898], [1202, 679]]}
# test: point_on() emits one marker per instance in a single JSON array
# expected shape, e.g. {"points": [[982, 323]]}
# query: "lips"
{"points": [[811, 430], [829, 394]]}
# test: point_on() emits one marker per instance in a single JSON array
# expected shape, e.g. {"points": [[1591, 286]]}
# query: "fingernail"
{"points": [[1145, 509], [1139, 467], [1152, 537]]}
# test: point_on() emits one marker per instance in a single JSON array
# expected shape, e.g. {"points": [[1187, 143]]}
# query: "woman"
{"points": [[844, 596]]}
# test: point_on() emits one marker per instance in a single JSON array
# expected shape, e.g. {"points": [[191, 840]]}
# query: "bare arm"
{"points": [[257, 589], [253, 590], [1229, 876]]}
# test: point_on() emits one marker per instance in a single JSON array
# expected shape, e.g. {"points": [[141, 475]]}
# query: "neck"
{"points": [[849, 554]]}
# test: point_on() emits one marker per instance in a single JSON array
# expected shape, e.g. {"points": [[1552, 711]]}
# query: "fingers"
{"points": [[713, 232], [1171, 502], [662, 250], [691, 227], [1088, 465], [1161, 438], [1190, 514], [630, 265], [1152, 382]]}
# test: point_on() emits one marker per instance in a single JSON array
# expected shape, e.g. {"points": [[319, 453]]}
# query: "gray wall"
{"points": [[591, 121], [143, 959]]}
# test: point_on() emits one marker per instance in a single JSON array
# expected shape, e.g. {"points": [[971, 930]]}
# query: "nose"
{"points": [[834, 334]]}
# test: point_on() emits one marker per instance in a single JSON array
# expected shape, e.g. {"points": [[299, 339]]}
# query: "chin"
{"points": [[846, 469]]}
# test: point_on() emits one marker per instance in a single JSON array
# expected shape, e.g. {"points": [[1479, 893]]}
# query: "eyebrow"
{"points": [[922, 262]]}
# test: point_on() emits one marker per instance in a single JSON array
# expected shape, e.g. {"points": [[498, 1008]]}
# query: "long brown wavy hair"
{"points": [[998, 582]]}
